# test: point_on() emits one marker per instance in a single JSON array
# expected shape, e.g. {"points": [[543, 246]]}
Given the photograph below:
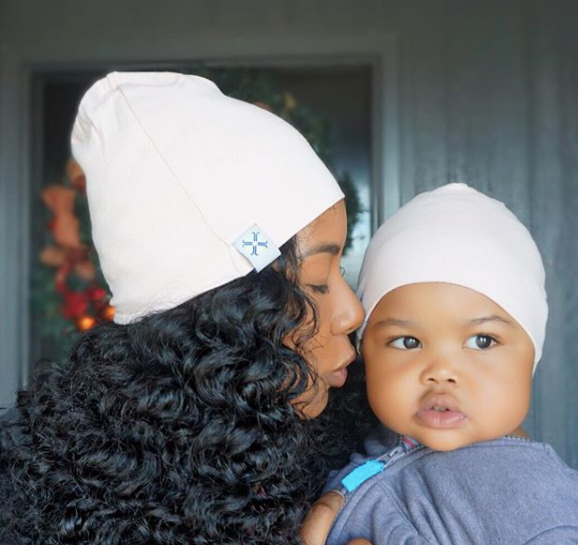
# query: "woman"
{"points": [[190, 419]]}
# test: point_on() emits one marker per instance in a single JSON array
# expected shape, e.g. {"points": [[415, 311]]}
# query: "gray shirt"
{"points": [[509, 491]]}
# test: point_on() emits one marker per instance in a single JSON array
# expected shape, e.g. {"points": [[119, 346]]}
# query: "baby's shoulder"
{"points": [[508, 490], [505, 491], [512, 467], [507, 458]]}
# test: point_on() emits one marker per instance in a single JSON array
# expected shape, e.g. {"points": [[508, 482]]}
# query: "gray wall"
{"points": [[477, 91]]}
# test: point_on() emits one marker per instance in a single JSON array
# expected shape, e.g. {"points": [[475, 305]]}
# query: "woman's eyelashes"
{"points": [[323, 287], [320, 288]]}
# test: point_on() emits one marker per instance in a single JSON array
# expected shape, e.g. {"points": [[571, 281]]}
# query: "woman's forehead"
{"points": [[326, 234]]}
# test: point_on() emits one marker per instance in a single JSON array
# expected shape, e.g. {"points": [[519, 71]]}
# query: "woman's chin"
{"points": [[314, 407]]}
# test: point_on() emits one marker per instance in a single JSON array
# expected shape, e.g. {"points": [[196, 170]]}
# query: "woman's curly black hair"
{"points": [[180, 428]]}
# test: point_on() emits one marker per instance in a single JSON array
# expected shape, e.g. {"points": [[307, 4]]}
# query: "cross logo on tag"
{"points": [[257, 247], [255, 243]]}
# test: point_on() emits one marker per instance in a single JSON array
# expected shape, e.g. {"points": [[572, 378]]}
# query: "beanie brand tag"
{"points": [[257, 247]]}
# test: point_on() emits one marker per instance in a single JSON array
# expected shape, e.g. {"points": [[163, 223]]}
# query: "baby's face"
{"points": [[446, 365]]}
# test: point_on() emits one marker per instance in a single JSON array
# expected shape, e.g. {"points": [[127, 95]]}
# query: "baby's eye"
{"points": [[480, 342], [405, 343]]}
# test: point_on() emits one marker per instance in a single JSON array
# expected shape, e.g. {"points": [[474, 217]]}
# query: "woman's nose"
{"points": [[349, 312]]}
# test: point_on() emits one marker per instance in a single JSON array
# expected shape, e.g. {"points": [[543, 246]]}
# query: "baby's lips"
{"points": [[439, 400], [440, 419]]}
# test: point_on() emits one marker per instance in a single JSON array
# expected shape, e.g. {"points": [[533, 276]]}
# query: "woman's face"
{"points": [[339, 312]]}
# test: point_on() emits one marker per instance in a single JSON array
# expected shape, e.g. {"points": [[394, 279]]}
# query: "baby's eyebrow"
{"points": [[395, 321], [492, 318]]}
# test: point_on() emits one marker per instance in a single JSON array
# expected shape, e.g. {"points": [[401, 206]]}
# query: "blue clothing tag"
{"points": [[360, 474], [372, 467], [257, 247]]}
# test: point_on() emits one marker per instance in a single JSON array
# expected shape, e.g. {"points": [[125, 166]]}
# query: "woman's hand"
{"points": [[318, 521]]}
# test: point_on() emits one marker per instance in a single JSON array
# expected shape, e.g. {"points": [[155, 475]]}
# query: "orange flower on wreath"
{"points": [[70, 257], [64, 225]]}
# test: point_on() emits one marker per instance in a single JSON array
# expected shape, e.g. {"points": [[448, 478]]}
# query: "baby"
{"points": [[453, 289]]}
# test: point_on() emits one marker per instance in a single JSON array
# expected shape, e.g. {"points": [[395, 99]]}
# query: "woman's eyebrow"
{"points": [[492, 318], [329, 248]]}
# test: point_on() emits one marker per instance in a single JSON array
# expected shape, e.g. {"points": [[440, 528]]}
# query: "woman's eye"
{"points": [[480, 342], [405, 343], [319, 288]]}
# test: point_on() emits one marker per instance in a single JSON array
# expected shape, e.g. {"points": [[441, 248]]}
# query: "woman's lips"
{"points": [[337, 378]]}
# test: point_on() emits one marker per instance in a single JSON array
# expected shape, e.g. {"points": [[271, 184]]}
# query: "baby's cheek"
{"points": [[378, 397], [504, 413], [389, 402]]}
